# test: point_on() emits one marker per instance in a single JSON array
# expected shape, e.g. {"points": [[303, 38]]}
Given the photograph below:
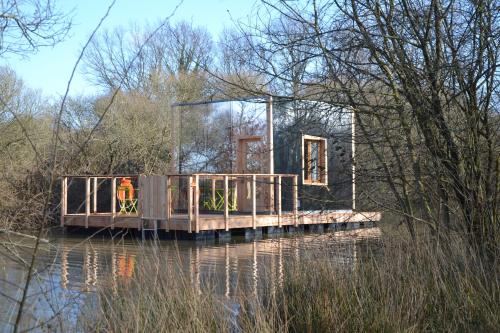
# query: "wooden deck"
{"points": [[217, 222], [259, 201]]}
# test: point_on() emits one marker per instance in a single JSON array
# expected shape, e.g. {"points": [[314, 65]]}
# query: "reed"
{"points": [[158, 299], [407, 285]]}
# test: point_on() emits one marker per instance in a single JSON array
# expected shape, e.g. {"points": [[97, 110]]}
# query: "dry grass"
{"points": [[158, 300], [410, 286]]}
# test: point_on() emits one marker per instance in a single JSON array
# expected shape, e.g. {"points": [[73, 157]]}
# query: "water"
{"points": [[70, 268]]}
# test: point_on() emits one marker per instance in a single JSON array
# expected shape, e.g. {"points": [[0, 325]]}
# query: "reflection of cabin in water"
{"points": [[247, 164], [235, 266]]}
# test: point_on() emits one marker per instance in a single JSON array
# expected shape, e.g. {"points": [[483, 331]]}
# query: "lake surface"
{"points": [[69, 268]]}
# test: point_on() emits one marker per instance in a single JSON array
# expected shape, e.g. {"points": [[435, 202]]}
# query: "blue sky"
{"points": [[50, 68]]}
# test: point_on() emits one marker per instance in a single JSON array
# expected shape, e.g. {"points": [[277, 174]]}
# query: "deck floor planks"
{"points": [[217, 222]]}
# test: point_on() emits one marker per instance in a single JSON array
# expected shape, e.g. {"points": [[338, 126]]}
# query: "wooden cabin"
{"points": [[237, 164]]}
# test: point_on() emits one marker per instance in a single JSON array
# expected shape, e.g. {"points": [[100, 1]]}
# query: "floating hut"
{"points": [[249, 165]]}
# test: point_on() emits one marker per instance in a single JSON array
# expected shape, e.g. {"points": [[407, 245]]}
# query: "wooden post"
{"points": [[295, 200], [226, 202], [197, 203], [113, 202], [190, 203], [64, 199], [87, 201], [270, 148], [279, 201], [214, 180], [169, 202], [95, 195], [254, 202], [272, 207], [270, 139]]}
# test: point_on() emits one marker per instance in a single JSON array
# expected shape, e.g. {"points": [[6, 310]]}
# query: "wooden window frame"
{"points": [[323, 160]]}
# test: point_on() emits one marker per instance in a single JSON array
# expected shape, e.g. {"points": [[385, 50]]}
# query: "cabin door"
{"points": [[250, 159]]}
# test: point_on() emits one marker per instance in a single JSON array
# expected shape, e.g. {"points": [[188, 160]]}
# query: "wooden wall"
{"points": [[153, 197]]}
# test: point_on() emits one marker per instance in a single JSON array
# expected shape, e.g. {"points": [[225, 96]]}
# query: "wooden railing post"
{"points": [[113, 202], [64, 199], [190, 204], [169, 202], [271, 201], [213, 190], [254, 202], [226, 202], [279, 201], [87, 201], [295, 199], [197, 203], [94, 195]]}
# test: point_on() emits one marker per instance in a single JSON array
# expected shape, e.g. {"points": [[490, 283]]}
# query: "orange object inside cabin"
{"points": [[126, 189]]}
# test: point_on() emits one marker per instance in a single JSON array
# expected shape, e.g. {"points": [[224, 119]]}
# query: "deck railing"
{"points": [[170, 196], [269, 187], [96, 188]]}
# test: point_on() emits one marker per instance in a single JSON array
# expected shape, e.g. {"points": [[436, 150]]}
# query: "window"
{"points": [[314, 160]]}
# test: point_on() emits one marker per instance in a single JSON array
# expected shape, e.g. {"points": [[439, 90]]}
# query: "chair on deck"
{"points": [[126, 197], [216, 201]]}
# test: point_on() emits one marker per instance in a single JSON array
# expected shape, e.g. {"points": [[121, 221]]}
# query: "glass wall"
{"points": [[206, 133]]}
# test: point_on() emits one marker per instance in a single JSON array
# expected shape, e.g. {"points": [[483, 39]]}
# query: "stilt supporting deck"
{"points": [[295, 229], [331, 227], [146, 226], [224, 235], [251, 234], [274, 230], [316, 228]]}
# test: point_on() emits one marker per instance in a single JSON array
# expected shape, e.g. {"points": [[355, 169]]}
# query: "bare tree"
{"points": [[25, 26], [423, 79], [174, 54]]}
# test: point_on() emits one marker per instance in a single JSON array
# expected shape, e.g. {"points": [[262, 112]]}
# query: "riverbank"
{"points": [[406, 286]]}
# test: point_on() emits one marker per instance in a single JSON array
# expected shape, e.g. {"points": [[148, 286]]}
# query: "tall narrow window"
{"points": [[314, 160]]}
